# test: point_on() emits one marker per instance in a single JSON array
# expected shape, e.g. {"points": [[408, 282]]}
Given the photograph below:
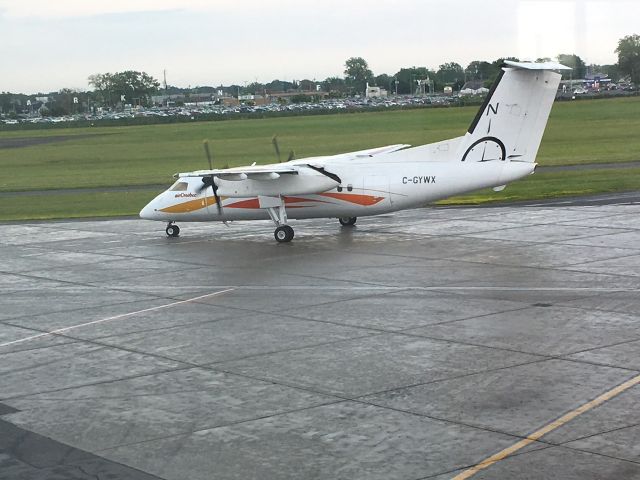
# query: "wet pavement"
{"points": [[415, 345]]}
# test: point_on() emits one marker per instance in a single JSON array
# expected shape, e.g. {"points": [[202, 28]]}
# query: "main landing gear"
{"points": [[283, 234], [347, 221], [172, 230], [275, 207]]}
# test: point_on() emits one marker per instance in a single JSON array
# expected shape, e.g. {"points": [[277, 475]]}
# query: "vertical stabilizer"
{"points": [[512, 119]]}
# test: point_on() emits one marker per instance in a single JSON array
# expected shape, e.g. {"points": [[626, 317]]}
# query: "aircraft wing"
{"points": [[267, 180], [254, 172], [377, 151], [371, 152]]}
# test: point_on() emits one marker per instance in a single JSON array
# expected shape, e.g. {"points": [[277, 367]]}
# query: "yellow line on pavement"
{"points": [[548, 428]]}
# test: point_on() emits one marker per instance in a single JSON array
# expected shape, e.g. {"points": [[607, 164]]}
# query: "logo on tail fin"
{"points": [[485, 150]]}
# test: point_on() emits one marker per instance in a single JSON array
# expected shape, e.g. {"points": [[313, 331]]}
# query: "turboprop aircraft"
{"points": [[499, 147]]}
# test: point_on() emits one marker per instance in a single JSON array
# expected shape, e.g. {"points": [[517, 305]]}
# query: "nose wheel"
{"points": [[172, 230], [347, 221]]}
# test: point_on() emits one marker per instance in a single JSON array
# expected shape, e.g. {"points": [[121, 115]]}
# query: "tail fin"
{"points": [[512, 119]]}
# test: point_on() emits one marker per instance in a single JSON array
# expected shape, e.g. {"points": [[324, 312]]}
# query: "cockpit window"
{"points": [[180, 186]]}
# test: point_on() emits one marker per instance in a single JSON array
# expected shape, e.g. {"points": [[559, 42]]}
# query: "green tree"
{"points": [[613, 71], [579, 69], [357, 74], [629, 56], [481, 70], [136, 87], [407, 77], [12, 103], [62, 102], [451, 74], [334, 85], [384, 81], [276, 86], [307, 85], [255, 88]]}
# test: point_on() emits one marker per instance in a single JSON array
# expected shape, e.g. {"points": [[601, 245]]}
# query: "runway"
{"points": [[440, 343]]}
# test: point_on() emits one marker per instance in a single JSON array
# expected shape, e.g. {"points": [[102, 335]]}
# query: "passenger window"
{"points": [[180, 187]]}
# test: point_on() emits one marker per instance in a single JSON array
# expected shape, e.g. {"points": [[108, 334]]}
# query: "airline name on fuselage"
{"points": [[417, 180]]}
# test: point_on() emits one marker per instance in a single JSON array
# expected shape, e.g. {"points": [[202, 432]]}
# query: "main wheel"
{"points": [[173, 230], [283, 234], [347, 221]]}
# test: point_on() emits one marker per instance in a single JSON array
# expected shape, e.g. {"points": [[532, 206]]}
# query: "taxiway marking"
{"points": [[548, 428], [117, 317]]}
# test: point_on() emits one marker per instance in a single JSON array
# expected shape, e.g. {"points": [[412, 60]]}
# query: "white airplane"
{"points": [[500, 147]]}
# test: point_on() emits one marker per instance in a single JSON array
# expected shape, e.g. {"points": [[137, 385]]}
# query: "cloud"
{"points": [[81, 8], [205, 42], [84, 8]]}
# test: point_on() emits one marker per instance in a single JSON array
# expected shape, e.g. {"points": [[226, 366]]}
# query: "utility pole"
{"points": [[166, 97]]}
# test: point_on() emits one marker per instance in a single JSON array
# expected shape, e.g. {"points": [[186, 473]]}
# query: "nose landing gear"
{"points": [[172, 230], [347, 221]]}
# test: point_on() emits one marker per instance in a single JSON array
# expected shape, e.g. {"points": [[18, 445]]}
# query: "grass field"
{"points": [[578, 133]]}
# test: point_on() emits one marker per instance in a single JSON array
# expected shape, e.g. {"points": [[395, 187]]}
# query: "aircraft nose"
{"points": [[148, 212]]}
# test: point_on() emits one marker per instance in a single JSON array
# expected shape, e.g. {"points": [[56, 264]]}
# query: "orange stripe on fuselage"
{"points": [[364, 200], [291, 200], [254, 203], [251, 203], [191, 205]]}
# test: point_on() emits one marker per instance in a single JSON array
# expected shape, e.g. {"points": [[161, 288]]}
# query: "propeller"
{"points": [[276, 147], [208, 153], [209, 180]]}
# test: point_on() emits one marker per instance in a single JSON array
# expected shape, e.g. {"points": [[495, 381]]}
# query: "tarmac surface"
{"points": [[416, 345]]}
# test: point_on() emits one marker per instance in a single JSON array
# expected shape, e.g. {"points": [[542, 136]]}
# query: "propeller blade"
{"points": [[292, 156], [208, 153], [218, 201], [209, 181], [206, 182], [274, 141]]}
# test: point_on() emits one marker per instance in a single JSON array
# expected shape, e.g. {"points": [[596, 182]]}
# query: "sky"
{"points": [[46, 45]]}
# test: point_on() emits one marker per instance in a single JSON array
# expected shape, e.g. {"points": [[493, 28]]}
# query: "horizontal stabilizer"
{"points": [[537, 66]]}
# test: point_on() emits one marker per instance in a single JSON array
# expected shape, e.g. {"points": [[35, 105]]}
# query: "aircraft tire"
{"points": [[283, 234], [347, 221], [173, 230]]}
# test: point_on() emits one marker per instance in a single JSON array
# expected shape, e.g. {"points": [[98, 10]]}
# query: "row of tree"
{"points": [[136, 88]]}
